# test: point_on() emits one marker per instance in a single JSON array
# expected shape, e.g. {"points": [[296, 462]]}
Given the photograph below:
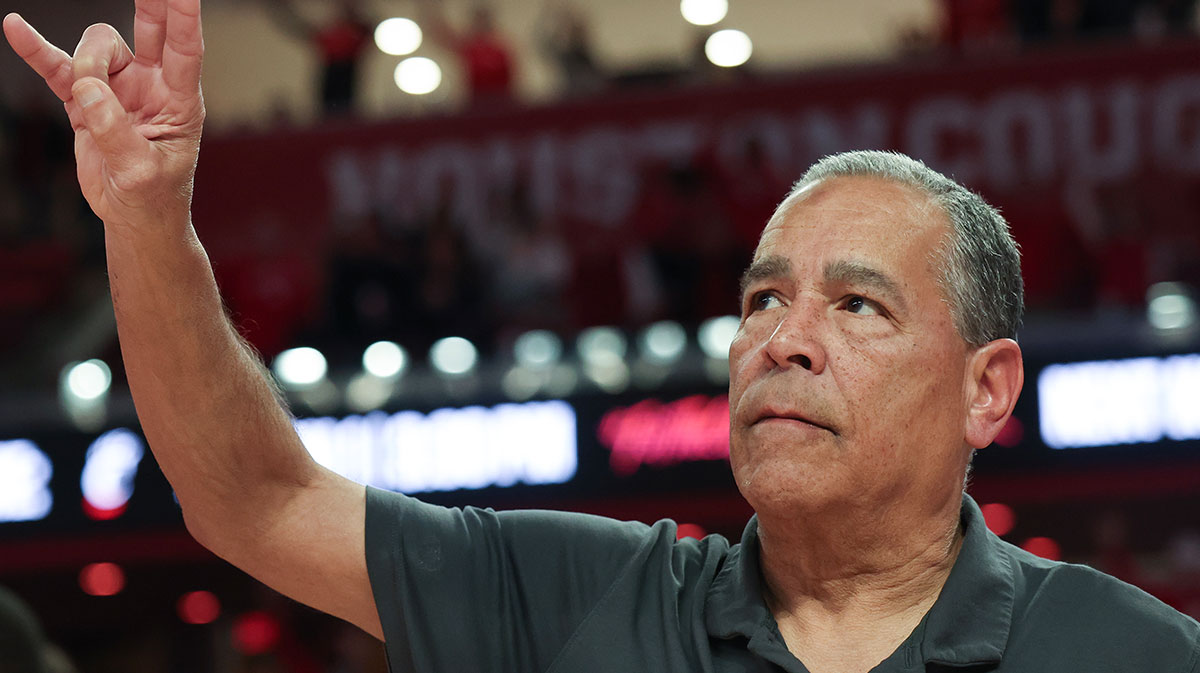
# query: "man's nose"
{"points": [[795, 341]]}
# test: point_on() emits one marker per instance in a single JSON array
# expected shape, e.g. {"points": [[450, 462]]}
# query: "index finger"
{"points": [[47, 60], [184, 50]]}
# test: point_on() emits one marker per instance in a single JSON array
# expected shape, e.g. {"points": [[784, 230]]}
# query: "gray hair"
{"points": [[980, 267]]}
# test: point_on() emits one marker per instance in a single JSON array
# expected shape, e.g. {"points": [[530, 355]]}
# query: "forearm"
{"points": [[209, 413]]}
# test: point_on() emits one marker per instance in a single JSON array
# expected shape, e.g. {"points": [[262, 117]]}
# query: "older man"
{"points": [[875, 354]]}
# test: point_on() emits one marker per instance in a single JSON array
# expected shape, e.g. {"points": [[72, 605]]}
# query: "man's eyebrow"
{"points": [[856, 273], [771, 266]]}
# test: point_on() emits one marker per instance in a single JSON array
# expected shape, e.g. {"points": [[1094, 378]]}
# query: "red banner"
{"points": [[1044, 133]]}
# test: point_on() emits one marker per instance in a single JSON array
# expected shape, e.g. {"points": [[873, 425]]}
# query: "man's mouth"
{"points": [[790, 417]]}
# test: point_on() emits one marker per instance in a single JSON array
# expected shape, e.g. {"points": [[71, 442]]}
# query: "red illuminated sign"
{"points": [[660, 434]]}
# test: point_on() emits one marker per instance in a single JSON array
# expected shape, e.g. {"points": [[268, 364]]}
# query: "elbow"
{"points": [[198, 527], [209, 528]]}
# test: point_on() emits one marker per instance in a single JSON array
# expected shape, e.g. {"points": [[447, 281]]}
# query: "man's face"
{"points": [[847, 374]]}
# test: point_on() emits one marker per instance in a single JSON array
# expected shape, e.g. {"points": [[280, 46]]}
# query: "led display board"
{"points": [[1129, 411], [1130, 401]]}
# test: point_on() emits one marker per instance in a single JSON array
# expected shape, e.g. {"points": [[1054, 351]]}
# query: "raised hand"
{"points": [[137, 115]]}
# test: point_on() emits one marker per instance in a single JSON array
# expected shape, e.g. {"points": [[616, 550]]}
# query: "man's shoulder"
{"points": [[1079, 604]]}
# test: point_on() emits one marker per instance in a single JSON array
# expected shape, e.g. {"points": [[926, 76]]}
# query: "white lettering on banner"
{"points": [[1012, 136], [1177, 123], [1082, 109], [821, 133], [605, 184], [448, 449], [1018, 127], [932, 121], [110, 468], [1120, 401], [24, 481]]}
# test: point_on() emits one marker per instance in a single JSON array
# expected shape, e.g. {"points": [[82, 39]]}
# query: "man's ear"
{"points": [[995, 374]]}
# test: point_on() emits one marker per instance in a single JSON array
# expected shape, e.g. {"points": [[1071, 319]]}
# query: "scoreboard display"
{"points": [[1120, 412]]}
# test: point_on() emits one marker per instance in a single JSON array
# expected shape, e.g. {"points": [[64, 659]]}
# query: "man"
{"points": [[875, 354]]}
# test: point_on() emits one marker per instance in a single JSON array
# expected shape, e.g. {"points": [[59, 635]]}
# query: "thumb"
{"points": [[109, 125]]}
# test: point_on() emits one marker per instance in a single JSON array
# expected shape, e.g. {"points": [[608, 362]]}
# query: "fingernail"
{"points": [[89, 94]]}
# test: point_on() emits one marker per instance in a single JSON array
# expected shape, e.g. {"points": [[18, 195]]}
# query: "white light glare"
{"points": [[448, 449], [418, 75], [728, 48], [1169, 307], [536, 349], [367, 392], [601, 345], [300, 367], [110, 468], [453, 355], [663, 342], [398, 36], [703, 12], [24, 481], [384, 359], [716, 334], [89, 380], [1120, 401]]}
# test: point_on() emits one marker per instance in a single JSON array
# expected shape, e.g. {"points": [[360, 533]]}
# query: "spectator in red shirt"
{"points": [[483, 53], [340, 43]]}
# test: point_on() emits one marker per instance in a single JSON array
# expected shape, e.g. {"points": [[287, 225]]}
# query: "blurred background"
{"points": [[491, 250]]}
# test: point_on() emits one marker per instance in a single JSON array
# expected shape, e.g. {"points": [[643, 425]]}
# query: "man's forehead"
{"points": [[874, 192], [858, 199]]}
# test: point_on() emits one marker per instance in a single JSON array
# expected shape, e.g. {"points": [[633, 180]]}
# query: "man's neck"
{"points": [[846, 594]]}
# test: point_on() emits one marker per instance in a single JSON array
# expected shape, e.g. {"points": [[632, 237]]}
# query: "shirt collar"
{"points": [[970, 621], [734, 605], [967, 625]]}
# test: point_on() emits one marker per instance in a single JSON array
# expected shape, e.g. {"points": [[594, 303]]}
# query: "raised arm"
{"points": [[249, 490]]}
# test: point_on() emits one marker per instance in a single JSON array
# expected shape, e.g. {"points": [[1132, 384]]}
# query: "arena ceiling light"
{"points": [[703, 12], [418, 75], [601, 345], [728, 48], [298, 368], [83, 393], [367, 392], [384, 359], [663, 343], [537, 349], [520, 383], [398, 36], [716, 334], [1169, 307], [453, 356], [602, 350], [88, 380]]}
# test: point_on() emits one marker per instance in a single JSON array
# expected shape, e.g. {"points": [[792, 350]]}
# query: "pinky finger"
{"points": [[47, 60]]}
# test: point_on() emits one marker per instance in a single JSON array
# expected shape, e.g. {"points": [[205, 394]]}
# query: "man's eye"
{"points": [[862, 306], [763, 301]]}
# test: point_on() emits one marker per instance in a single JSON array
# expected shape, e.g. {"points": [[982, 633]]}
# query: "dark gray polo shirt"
{"points": [[466, 590]]}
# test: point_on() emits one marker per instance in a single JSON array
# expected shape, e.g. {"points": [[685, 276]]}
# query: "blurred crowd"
{"points": [[418, 276], [51, 246], [979, 25]]}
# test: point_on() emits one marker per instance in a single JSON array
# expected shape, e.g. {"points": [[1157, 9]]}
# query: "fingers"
{"points": [[110, 127], [184, 50], [47, 60], [101, 52], [149, 30]]}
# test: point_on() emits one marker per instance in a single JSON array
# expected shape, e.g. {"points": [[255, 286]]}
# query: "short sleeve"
{"points": [[476, 590]]}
